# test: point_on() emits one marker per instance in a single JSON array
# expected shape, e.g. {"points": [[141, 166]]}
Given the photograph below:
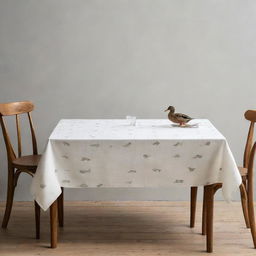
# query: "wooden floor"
{"points": [[126, 228]]}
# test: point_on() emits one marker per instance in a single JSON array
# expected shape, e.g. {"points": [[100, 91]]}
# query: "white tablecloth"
{"points": [[112, 153]]}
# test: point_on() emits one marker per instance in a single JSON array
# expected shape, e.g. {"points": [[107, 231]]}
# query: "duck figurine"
{"points": [[178, 118]]}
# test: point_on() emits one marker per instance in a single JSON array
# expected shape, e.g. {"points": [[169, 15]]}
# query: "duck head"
{"points": [[171, 109]]}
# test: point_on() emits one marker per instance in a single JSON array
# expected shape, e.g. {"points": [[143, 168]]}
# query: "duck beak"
{"points": [[166, 110]]}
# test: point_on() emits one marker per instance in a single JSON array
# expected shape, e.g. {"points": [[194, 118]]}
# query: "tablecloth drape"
{"points": [[112, 153]]}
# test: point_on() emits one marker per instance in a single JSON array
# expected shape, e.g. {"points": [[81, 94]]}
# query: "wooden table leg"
{"points": [[54, 224], [193, 195], [209, 193], [37, 218], [204, 214], [60, 208]]}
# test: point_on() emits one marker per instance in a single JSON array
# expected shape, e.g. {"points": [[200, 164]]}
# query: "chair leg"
{"points": [[37, 218], [60, 208], [10, 194], [204, 214], [209, 217], [251, 213], [252, 225], [244, 202], [193, 196]]}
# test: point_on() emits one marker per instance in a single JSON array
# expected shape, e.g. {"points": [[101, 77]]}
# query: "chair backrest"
{"points": [[250, 115], [15, 109]]}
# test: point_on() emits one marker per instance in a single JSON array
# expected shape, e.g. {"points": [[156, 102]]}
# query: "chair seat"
{"points": [[243, 171], [27, 162]]}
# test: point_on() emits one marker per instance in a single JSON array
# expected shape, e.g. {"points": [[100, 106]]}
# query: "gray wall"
{"points": [[107, 59]]}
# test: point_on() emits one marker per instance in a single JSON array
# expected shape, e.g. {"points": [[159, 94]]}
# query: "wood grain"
{"points": [[127, 229], [250, 115], [61, 208], [193, 196], [16, 108], [26, 162], [250, 194], [248, 145], [53, 224]]}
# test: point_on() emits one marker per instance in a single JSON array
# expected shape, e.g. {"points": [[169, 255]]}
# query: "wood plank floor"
{"points": [[126, 228]]}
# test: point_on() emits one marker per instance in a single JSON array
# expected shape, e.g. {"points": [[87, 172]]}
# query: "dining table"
{"points": [[116, 153]]}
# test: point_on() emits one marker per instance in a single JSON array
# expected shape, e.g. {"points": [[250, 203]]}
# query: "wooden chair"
{"points": [[246, 188], [21, 164], [209, 192]]}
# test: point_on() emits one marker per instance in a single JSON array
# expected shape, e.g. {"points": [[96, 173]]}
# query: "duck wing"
{"points": [[183, 117]]}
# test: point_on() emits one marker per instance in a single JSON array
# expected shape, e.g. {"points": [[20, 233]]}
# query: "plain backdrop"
{"points": [[112, 58]]}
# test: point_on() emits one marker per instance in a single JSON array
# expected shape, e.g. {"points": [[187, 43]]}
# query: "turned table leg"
{"points": [[54, 224]]}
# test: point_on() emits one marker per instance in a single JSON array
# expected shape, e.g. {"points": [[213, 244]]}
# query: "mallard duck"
{"points": [[179, 118]]}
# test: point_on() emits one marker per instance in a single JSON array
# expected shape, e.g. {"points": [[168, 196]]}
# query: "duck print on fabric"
{"points": [[132, 171], [95, 145], [85, 171], [156, 170], [178, 181], [85, 159], [127, 144], [177, 144], [197, 156]]}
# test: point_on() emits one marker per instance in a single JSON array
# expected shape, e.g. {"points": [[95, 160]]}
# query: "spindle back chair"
{"points": [[17, 163], [246, 188]]}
